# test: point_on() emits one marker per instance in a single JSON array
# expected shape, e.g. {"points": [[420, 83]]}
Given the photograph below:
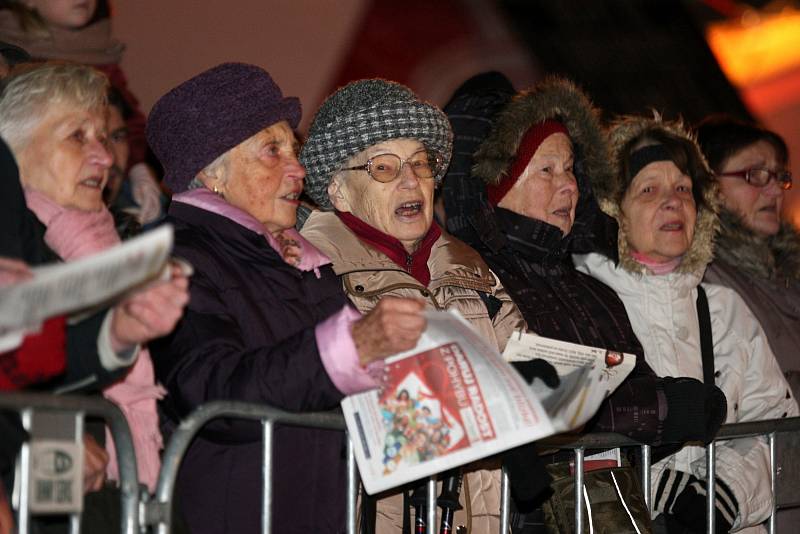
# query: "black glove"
{"points": [[527, 476], [695, 410], [687, 511], [538, 368]]}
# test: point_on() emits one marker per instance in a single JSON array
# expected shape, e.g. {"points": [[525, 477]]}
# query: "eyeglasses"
{"points": [[385, 168], [761, 177]]}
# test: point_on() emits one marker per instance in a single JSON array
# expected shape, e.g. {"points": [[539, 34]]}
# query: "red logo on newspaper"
{"points": [[432, 405]]}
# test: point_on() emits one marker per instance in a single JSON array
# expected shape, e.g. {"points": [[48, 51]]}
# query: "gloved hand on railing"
{"points": [[695, 410], [686, 511], [538, 368]]}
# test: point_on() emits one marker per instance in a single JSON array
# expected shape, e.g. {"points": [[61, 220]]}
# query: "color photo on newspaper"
{"points": [[450, 401]]}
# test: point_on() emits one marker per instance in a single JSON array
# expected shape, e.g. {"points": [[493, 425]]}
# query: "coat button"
{"points": [[425, 293], [735, 406], [360, 288], [788, 395], [682, 333], [717, 374]]}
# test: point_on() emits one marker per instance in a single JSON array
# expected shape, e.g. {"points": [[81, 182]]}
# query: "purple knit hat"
{"points": [[205, 116]]}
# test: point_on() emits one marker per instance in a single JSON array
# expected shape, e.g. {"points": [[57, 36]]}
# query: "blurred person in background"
{"points": [[267, 321], [80, 31], [664, 197], [756, 254]]}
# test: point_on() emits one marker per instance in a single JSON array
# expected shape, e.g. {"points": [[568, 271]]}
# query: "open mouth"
{"points": [[563, 212], [672, 227], [770, 209], [94, 183], [409, 209], [292, 197]]}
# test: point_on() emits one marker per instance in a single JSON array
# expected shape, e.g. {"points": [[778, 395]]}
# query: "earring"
{"points": [[217, 192]]}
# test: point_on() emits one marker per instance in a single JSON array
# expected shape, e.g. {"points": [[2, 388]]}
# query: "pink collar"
{"points": [[657, 267], [310, 257]]}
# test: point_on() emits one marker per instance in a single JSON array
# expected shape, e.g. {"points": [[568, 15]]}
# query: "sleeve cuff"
{"points": [[110, 360], [339, 356]]}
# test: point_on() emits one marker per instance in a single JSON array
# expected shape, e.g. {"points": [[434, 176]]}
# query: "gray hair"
{"points": [[217, 167], [29, 94]]}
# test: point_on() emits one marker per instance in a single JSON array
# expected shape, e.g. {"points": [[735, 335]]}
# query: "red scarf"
{"points": [[415, 264]]}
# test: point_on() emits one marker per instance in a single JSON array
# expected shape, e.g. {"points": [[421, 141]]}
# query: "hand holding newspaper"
{"points": [[453, 399], [588, 375], [66, 287]]}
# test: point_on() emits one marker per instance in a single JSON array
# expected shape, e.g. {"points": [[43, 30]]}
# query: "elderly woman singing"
{"points": [[267, 321], [374, 155]]}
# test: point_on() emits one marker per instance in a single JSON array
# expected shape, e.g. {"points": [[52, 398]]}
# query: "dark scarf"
{"points": [[415, 264]]}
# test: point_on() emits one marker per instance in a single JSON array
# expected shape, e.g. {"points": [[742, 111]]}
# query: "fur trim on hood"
{"points": [[622, 132], [770, 258], [553, 98], [559, 99]]}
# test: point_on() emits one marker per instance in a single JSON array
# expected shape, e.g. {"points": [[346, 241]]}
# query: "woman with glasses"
{"points": [[374, 155], [756, 254]]}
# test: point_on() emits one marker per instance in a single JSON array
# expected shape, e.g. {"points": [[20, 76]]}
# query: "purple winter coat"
{"points": [[248, 335]]}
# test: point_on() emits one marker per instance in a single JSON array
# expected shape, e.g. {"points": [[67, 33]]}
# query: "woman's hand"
{"points": [[13, 271], [150, 313], [95, 461], [6, 515], [394, 325]]}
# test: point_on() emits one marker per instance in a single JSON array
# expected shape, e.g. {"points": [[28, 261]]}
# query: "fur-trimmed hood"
{"points": [[559, 99], [771, 258], [610, 194]]}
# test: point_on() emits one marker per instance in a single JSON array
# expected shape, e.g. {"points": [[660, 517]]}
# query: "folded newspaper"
{"points": [[453, 399], [66, 287], [588, 375]]}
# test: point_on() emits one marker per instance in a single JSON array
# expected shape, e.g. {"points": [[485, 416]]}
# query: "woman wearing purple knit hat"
{"points": [[267, 321]]}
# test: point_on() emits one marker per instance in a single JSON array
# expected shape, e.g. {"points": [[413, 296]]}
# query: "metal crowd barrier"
{"points": [[159, 511], [28, 403], [579, 445]]}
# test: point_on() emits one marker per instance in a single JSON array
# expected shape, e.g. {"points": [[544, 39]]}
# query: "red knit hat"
{"points": [[528, 146]]}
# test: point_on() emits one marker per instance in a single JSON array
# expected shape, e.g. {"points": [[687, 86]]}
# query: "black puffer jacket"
{"points": [[533, 259]]}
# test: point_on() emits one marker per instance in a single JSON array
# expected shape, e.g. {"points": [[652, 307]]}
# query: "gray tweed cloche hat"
{"points": [[364, 113]]}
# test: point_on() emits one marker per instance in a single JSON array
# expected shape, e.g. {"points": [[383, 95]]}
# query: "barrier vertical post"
{"points": [[25, 480], [352, 487], [505, 501], [266, 504], [579, 490], [431, 508], [75, 518], [646, 460], [773, 481], [711, 468]]}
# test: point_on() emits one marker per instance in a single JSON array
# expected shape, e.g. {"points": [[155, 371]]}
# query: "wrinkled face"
{"points": [[69, 14], [402, 208], [66, 157], [547, 189], [264, 178], [120, 150], [759, 207], [658, 212]]}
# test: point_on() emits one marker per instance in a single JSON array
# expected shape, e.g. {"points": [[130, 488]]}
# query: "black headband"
{"points": [[647, 155]]}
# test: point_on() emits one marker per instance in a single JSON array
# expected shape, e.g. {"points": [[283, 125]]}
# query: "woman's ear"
{"points": [[337, 192]]}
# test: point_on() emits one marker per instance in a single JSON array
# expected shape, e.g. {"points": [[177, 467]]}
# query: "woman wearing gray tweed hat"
{"points": [[374, 155], [665, 199], [267, 320]]}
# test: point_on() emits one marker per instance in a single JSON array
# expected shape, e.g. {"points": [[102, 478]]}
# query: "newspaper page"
{"points": [[588, 375], [66, 287], [449, 401]]}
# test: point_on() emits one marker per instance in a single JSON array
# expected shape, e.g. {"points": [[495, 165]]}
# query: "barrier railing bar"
{"points": [[430, 526], [266, 474], [352, 486], [187, 429], [117, 424], [711, 473], [579, 489], [773, 482], [646, 460], [505, 501]]}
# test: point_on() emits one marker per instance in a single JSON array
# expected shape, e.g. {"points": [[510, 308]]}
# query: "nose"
{"points": [[566, 182], [408, 180], [294, 169], [99, 154], [772, 189]]}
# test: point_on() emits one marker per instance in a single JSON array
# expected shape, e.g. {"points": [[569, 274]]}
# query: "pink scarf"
{"points": [[73, 234], [292, 247], [656, 267]]}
